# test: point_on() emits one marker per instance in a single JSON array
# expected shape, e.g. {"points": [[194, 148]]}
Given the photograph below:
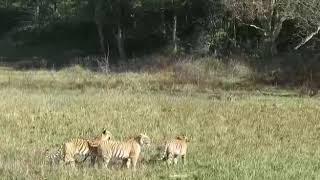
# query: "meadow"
{"points": [[237, 130]]}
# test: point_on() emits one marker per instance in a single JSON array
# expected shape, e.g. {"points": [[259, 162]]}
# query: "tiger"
{"points": [[128, 151], [82, 147], [54, 154], [174, 149]]}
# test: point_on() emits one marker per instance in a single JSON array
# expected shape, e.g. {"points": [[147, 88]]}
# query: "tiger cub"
{"points": [[83, 147], [128, 151], [174, 149]]}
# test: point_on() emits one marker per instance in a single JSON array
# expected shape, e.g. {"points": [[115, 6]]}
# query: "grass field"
{"points": [[235, 133]]}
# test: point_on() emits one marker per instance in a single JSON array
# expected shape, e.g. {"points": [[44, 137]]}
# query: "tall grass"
{"points": [[204, 74], [254, 136]]}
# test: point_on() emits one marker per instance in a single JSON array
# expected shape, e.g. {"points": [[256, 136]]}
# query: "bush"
{"points": [[210, 73], [186, 72], [220, 43]]}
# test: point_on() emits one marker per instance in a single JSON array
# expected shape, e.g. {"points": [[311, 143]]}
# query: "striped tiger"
{"points": [[128, 151], [174, 149], [82, 147], [54, 154]]}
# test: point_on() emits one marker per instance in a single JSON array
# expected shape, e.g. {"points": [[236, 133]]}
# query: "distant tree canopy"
{"points": [[126, 28]]}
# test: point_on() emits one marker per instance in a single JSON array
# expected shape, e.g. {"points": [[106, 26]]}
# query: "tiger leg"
{"points": [[170, 158], [128, 163], [164, 156], [69, 159], [134, 162], [184, 159], [106, 161], [93, 160], [175, 159], [98, 161], [73, 164]]}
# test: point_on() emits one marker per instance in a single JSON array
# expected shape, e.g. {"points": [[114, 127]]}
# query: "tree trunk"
{"points": [[274, 35], [163, 24], [102, 46], [174, 34], [37, 14], [120, 43], [274, 28]]}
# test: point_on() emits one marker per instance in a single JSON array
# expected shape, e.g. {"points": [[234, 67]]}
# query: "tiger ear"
{"points": [[180, 137], [107, 133], [141, 136], [183, 137], [187, 138]]}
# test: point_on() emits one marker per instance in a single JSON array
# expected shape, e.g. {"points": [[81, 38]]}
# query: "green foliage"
{"points": [[219, 38], [220, 42]]}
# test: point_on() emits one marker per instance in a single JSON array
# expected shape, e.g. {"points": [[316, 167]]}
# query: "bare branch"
{"points": [[256, 27], [308, 38]]}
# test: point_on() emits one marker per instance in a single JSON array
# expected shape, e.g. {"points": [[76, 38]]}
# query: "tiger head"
{"points": [[143, 140], [106, 135], [183, 137]]}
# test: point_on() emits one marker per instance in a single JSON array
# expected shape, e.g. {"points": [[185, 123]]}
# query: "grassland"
{"points": [[236, 132]]}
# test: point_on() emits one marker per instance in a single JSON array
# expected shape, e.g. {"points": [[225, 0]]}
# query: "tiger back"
{"points": [[128, 151]]}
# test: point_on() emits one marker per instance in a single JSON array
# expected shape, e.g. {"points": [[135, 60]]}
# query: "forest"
{"points": [[278, 37]]}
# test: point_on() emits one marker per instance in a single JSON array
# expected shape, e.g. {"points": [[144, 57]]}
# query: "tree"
{"points": [[120, 15], [175, 8], [268, 16], [100, 17]]}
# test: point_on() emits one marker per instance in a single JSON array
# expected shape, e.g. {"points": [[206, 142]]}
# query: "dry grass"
{"points": [[247, 136], [182, 75]]}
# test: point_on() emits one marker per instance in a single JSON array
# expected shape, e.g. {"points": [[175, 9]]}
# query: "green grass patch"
{"points": [[235, 134]]}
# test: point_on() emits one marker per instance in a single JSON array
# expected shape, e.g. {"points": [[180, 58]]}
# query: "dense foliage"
{"points": [[124, 29]]}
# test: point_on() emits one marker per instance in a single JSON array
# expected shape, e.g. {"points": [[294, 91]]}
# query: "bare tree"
{"points": [[267, 16]]}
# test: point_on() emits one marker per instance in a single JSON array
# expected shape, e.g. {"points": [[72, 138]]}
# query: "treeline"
{"points": [[130, 28]]}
